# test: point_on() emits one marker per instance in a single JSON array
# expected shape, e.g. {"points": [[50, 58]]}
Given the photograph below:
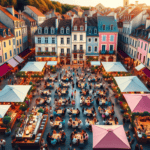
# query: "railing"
{"points": [[62, 54], [78, 51], [107, 52], [46, 53], [68, 55]]}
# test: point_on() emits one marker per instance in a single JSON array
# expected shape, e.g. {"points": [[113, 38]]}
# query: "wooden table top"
{"points": [[92, 122], [59, 111], [78, 136], [74, 111], [56, 123], [56, 135], [89, 111]]}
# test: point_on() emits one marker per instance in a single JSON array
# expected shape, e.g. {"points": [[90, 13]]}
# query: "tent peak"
{"points": [[109, 130]]}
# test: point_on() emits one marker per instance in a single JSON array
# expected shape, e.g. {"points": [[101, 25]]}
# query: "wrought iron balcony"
{"points": [[107, 52], [78, 51], [46, 54]]}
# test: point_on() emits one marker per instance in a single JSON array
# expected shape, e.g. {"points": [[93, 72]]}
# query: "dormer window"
{"points": [[75, 28], [148, 35], [67, 30], [4, 33], [9, 32], [81, 28], [39, 31], [52, 30], [90, 31], [46, 30], [62, 30], [95, 31], [103, 27], [111, 27]]}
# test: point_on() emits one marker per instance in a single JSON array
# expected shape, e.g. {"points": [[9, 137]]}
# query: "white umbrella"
{"points": [[3, 110]]}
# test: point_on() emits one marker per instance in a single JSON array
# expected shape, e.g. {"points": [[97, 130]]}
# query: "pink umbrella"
{"points": [[110, 137], [138, 102]]}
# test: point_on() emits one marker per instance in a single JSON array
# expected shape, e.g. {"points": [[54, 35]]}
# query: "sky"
{"points": [[106, 3]]}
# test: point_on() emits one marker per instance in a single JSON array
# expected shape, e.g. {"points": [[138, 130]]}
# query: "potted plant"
{"points": [[41, 110], [23, 106], [6, 121]]}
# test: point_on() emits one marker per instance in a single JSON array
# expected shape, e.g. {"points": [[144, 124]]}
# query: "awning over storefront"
{"points": [[12, 62], [19, 59], [95, 63], [52, 63], [123, 54], [4, 69], [146, 72], [139, 67], [24, 53]]}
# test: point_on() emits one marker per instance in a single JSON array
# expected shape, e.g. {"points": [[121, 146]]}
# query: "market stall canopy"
{"points": [[3, 110], [25, 53], [19, 59], [130, 84], [95, 63], [4, 69], [52, 63], [139, 67], [114, 67], [34, 66], [138, 102], [14, 93], [109, 137], [12, 62], [146, 72]]}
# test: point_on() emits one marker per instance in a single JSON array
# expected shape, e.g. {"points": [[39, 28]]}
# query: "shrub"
{"points": [[6, 120], [23, 106], [41, 110]]}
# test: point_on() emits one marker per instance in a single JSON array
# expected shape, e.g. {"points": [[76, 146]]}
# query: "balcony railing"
{"points": [[46, 53], [78, 51], [62, 54], [107, 52], [68, 55]]}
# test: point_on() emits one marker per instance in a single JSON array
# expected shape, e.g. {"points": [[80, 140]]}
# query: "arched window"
{"points": [[90, 31], [67, 30], [46, 30], [103, 27], [62, 30], [52, 30], [95, 31], [89, 49], [39, 31]]}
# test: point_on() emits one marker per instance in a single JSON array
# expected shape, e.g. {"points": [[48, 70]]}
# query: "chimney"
{"points": [[85, 22], [147, 23], [56, 23], [72, 18], [11, 10], [115, 16], [136, 3]]}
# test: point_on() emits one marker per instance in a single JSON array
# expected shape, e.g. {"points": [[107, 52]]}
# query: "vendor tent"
{"points": [[130, 84], [3, 110], [138, 102], [114, 67], [52, 63], [109, 137], [95, 63], [19, 59], [12, 62], [139, 67], [34, 66], [14, 93]]}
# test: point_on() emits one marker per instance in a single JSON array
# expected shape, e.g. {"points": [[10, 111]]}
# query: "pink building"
{"points": [[142, 51]]}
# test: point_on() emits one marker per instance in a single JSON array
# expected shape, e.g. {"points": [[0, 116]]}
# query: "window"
{"points": [[95, 39], [81, 47], [39, 49], [10, 53], [89, 39], [141, 44], [81, 28], [53, 40], [68, 50], [39, 31], [46, 40], [75, 37], [14, 51], [62, 50], [89, 49], [95, 48], [16, 33], [20, 41], [4, 44], [19, 33], [46, 49], [103, 48], [144, 60], [90, 31], [148, 60], [140, 56], [111, 27], [68, 40], [62, 40], [46, 30], [145, 46], [133, 43], [18, 50], [75, 47], [39, 40], [111, 47], [75, 27], [8, 32], [62, 31], [81, 37], [14, 42], [95, 31], [111, 38], [103, 27], [9, 42], [0, 59], [67, 30], [137, 55], [52, 31], [5, 55], [103, 37], [53, 49]]}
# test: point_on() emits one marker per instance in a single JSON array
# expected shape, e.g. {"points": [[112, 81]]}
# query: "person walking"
{"points": [[75, 94], [2, 144]]}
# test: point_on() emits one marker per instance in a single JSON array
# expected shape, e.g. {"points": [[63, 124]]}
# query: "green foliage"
{"points": [[6, 120], [30, 83], [41, 110], [93, 69], [23, 106]]}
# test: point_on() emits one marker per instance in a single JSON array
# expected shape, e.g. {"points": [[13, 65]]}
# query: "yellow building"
{"points": [[7, 41]]}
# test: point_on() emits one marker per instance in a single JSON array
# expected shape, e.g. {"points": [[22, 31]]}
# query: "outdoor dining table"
{"points": [[63, 91], [79, 136], [76, 122], [56, 135], [82, 84], [89, 111], [112, 122], [56, 123], [59, 111], [74, 111], [91, 122], [103, 101]]}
